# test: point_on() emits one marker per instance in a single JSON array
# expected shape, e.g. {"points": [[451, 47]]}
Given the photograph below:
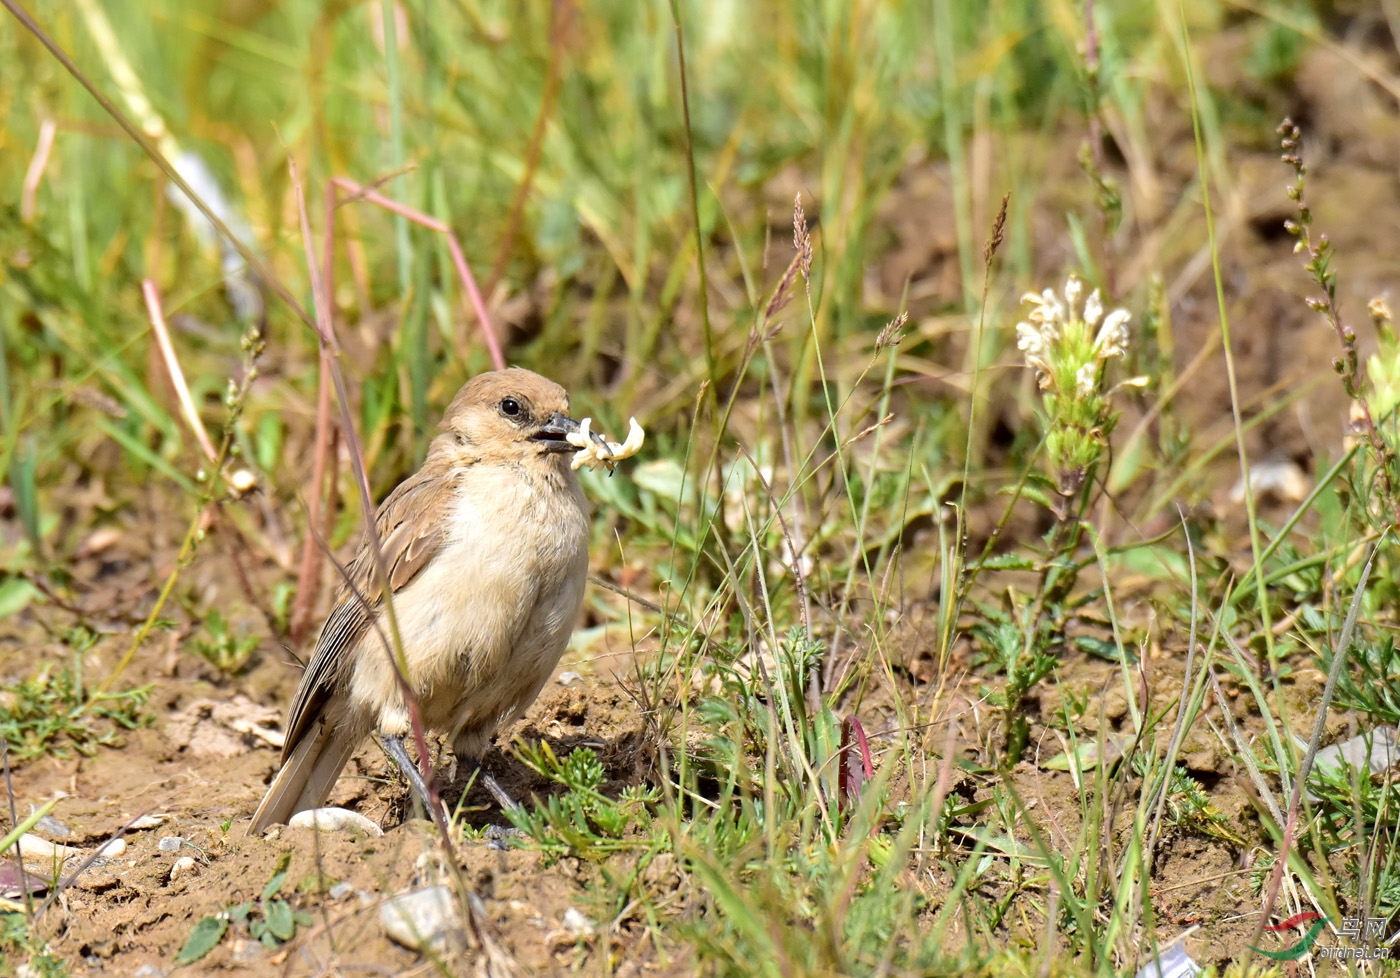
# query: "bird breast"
{"points": [[484, 623]]}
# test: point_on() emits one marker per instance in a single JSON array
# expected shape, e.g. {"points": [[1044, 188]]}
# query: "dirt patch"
{"points": [[186, 786]]}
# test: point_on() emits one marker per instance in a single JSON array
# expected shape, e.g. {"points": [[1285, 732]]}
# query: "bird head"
{"points": [[510, 415]]}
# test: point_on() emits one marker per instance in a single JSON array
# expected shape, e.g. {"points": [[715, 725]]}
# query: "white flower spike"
{"points": [[1056, 328]]}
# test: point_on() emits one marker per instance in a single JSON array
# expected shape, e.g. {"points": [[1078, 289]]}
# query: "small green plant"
{"points": [[1371, 684], [1004, 646], [52, 713], [1356, 814], [582, 821], [1356, 806], [1068, 339], [1383, 368], [223, 648], [18, 943], [270, 920], [283, 594], [1188, 806]]}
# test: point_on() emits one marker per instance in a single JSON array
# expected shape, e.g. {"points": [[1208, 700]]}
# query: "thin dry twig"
{"points": [[34, 175], [318, 523], [172, 368]]}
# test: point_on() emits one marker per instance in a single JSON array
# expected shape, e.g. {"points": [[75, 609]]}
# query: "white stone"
{"points": [[52, 828], [334, 820], [423, 920], [577, 924], [1173, 962], [33, 847]]}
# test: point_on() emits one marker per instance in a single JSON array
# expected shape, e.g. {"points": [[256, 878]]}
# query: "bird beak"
{"points": [[555, 433]]}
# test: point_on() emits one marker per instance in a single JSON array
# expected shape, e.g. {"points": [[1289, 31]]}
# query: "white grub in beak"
{"points": [[595, 450]]}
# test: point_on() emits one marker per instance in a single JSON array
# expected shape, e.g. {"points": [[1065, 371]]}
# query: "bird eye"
{"points": [[510, 407]]}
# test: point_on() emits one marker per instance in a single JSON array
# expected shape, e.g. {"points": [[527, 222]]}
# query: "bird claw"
{"points": [[595, 450]]}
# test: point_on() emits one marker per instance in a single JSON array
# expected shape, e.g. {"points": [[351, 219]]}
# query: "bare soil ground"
{"points": [[199, 771]]}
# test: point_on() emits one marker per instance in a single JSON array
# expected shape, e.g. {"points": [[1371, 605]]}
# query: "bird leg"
{"points": [[393, 746], [503, 798]]}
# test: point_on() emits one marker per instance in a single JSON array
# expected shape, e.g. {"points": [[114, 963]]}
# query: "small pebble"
{"points": [[182, 865], [494, 832], [250, 954], [334, 820], [498, 837], [428, 868], [341, 890], [33, 847], [241, 480], [569, 678], [52, 828], [112, 849], [1174, 962], [423, 920], [148, 971], [170, 843], [148, 822], [577, 924], [1370, 752]]}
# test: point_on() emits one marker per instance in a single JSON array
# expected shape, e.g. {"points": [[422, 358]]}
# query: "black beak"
{"points": [[554, 432]]}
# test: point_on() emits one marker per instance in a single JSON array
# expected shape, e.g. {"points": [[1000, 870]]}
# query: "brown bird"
{"points": [[486, 548]]}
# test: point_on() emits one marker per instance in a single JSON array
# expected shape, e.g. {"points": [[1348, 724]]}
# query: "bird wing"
{"points": [[412, 525]]}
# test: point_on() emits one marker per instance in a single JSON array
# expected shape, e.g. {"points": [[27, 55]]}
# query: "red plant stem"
{"points": [[459, 259]]}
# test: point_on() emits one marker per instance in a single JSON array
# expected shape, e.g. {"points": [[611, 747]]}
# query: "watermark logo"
{"points": [[1303, 946], [1353, 928]]}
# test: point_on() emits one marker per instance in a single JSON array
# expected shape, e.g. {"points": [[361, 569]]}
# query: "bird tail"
{"points": [[306, 776]]}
